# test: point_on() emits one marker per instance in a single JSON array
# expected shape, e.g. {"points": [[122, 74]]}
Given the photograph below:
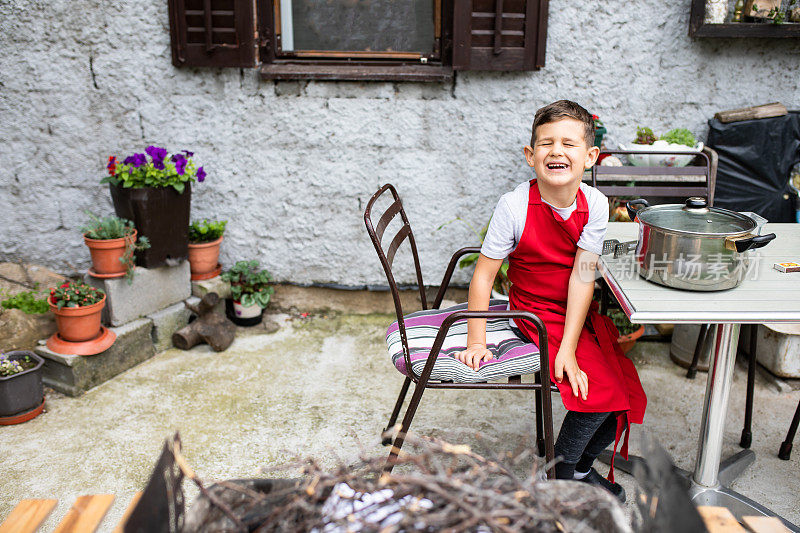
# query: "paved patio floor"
{"points": [[323, 386]]}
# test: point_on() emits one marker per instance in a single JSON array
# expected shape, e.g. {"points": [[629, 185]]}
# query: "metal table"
{"points": [[767, 295]]}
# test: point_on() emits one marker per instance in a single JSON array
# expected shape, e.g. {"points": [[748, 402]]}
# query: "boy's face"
{"points": [[560, 154]]}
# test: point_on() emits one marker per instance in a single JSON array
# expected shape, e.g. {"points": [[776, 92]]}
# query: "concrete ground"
{"points": [[323, 386]]}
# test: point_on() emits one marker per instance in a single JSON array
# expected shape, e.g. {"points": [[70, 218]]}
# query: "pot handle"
{"points": [[758, 219], [633, 210], [749, 243]]}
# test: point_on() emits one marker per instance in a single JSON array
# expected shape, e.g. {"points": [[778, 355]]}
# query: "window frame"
{"points": [[345, 65], [473, 35]]}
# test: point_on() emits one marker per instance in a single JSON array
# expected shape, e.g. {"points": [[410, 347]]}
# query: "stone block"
{"points": [[75, 374], [152, 289], [201, 288], [166, 322], [778, 349], [219, 308]]}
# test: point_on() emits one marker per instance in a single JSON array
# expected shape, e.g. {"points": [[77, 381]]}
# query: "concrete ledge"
{"points": [[778, 349], [166, 322], [290, 298], [151, 290], [75, 374]]}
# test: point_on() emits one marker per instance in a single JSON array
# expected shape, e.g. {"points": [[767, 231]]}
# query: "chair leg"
{"points": [[698, 349], [539, 422], [387, 432], [747, 435], [419, 388], [786, 446], [603, 297]]}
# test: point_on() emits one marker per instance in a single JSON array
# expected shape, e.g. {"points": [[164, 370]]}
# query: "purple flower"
{"points": [[157, 155], [136, 160], [188, 153], [180, 163], [201, 174]]}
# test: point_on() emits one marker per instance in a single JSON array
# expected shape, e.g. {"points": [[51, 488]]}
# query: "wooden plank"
{"points": [[131, 506], [27, 516], [764, 524], [342, 71], [719, 520], [86, 514]]}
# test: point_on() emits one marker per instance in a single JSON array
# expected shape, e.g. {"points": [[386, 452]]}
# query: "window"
{"points": [[359, 39]]}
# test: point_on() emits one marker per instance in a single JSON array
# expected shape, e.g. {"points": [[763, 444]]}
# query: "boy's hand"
{"points": [[566, 363], [473, 355]]}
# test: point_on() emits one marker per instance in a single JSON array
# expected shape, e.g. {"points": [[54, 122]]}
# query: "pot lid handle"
{"points": [[696, 204]]}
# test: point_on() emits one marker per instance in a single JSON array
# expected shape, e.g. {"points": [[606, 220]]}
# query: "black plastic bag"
{"points": [[755, 159]]}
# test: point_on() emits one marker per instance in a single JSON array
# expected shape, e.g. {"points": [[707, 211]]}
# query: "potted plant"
{"points": [[153, 190], [675, 140], [629, 333], [77, 309], [250, 292], [112, 243], [21, 391], [599, 131], [643, 142], [501, 283], [205, 238]]}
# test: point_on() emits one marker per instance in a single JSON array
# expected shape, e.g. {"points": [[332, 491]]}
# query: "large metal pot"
{"points": [[693, 246]]}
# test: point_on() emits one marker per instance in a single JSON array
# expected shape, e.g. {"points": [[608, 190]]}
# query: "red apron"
{"points": [[539, 271]]}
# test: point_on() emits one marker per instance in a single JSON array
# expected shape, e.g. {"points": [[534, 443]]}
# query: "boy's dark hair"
{"points": [[564, 109]]}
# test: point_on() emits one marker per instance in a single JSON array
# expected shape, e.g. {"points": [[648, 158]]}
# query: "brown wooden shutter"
{"points": [[213, 33], [499, 34]]}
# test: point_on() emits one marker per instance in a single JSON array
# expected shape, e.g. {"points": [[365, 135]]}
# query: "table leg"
{"points": [[725, 339], [711, 476]]}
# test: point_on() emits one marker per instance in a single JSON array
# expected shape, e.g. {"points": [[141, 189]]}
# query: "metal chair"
{"points": [[785, 451], [543, 408]]}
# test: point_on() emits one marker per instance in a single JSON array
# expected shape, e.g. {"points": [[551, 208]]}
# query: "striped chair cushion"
{"points": [[512, 356]]}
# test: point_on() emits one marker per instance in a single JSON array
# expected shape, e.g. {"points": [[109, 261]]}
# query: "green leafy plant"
{"points": [[160, 170], [206, 230], [501, 283], [645, 136], [107, 228], [249, 285], [775, 13], [75, 294], [27, 302], [620, 319], [9, 366], [680, 136], [113, 227]]}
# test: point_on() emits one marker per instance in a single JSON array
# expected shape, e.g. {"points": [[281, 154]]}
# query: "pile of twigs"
{"points": [[466, 492]]}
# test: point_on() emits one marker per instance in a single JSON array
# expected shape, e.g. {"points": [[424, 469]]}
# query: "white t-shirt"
{"points": [[508, 222]]}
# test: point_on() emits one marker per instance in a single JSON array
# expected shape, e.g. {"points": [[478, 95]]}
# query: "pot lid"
{"points": [[696, 217]]}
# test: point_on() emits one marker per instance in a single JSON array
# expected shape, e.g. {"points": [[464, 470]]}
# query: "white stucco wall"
{"points": [[291, 165]]}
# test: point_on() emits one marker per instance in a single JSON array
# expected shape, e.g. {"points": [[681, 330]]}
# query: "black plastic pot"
{"points": [[231, 314], [21, 392], [162, 215]]}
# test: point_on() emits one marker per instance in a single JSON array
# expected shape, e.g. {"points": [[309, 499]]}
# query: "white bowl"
{"points": [[659, 160]]}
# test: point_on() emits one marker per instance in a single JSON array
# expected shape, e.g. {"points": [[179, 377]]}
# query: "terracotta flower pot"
{"points": [[78, 324], [204, 259], [626, 342], [106, 254]]}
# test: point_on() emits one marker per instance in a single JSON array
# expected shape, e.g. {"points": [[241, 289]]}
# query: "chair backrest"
{"points": [[697, 179], [386, 255]]}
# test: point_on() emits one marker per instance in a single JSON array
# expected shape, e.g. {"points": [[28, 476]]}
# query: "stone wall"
{"points": [[292, 164]]}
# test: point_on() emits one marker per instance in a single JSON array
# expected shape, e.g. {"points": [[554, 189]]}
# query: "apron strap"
{"points": [[623, 425]]}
